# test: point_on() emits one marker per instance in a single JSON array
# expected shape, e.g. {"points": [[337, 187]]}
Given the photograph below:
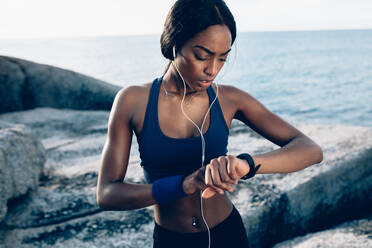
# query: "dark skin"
{"points": [[200, 59]]}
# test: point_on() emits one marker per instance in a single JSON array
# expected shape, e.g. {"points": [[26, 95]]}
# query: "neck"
{"points": [[173, 83]]}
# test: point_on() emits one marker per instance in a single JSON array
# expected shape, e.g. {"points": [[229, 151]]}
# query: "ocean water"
{"points": [[322, 77]]}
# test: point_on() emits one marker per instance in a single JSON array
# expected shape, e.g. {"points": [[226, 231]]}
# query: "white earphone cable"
{"points": [[202, 139]]}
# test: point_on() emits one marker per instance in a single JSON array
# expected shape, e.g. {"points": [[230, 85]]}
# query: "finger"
{"points": [[206, 179], [209, 181], [208, 193], [200, 185], [228, 187], [200, 175], [216, 179], [222, 186], [192, 183], [231, 169], [223, 170]]}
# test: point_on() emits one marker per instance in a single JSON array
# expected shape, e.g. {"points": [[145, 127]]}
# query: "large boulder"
{"points": [[354, 234], [26, 85], [22, 158], [12, 79]]}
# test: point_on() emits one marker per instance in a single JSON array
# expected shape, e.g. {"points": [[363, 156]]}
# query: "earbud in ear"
{"points": [[174, 52]]}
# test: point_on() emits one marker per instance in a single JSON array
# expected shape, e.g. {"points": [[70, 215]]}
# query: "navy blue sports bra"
{"points": [[163, 156]]}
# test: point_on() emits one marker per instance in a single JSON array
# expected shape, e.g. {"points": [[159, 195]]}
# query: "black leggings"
{"points": [[229, 233]]}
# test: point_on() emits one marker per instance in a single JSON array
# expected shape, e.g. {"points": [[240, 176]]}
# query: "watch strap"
{"points": [[252, 168]]}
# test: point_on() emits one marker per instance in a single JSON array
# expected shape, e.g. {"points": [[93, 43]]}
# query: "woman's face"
{"points": [[203, 56]]}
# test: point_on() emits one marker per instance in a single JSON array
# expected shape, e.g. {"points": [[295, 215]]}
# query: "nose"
{"points": [[211, 68]]}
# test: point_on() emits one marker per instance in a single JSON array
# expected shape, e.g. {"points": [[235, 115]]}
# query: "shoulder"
{"points": [[133, 92], [128, 100], [131, 95], [234, 95]]}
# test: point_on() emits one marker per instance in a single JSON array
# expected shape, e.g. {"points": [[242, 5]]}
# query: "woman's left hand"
{"points": [[223, 170]]}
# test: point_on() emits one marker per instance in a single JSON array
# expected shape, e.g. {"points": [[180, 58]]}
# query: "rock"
{"points": [[274, 207], [130, 229], [26, 85], [354, 234], [11, 86], [22, 158], [73, 139], [46, 207]]}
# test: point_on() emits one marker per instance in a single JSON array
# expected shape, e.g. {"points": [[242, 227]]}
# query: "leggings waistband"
{"points": [[228, 233]]}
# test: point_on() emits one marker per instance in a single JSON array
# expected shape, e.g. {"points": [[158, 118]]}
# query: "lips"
{"points": [[205, 83]]}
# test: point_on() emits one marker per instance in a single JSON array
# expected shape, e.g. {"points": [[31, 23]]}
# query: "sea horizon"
{"points": [[319, 76]]}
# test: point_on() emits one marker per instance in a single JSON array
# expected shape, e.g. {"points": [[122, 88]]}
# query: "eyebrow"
{"points": [[210, 52]]}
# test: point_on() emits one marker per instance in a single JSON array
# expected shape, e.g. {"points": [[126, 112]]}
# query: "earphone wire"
{"points": [[202, 140]]}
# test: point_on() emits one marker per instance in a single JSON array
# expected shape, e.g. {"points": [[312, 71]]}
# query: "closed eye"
{"points": [[199, 58], [224, 58], [203, 59]]}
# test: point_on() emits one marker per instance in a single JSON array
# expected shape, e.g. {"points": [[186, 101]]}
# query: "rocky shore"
{"points": [[49, 159]]}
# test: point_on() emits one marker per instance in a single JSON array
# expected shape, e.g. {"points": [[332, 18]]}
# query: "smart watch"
{"points": [[252, 168]]}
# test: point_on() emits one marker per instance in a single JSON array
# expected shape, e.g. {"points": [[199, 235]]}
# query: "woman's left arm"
{"points": [[297, 150]]}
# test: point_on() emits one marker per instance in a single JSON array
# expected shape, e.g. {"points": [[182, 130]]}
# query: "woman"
{"points": [[181, 121]]}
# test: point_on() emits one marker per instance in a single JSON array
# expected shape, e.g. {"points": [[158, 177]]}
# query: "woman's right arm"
{"points": [[112, 192]]}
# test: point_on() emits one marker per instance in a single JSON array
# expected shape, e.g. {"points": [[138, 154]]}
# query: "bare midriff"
{"points": [[184, 215]]}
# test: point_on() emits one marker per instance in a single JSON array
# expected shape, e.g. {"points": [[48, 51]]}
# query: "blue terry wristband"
{"points": [[168, 189]]}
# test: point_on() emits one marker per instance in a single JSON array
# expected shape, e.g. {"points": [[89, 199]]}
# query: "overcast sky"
{"points": [[76, 18]]}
